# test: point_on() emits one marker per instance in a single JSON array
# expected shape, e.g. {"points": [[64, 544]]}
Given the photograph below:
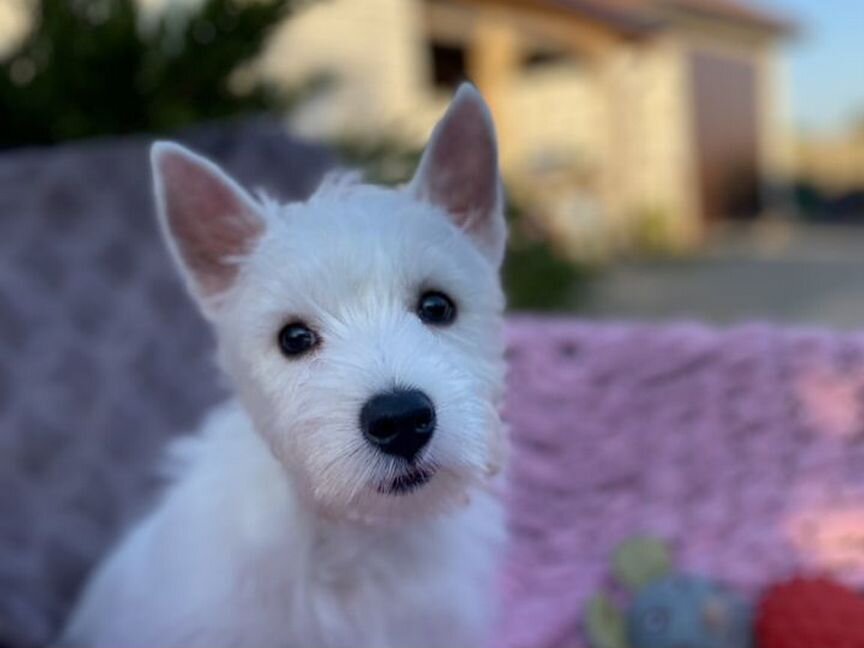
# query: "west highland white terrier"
{"points": [[342, 500]]}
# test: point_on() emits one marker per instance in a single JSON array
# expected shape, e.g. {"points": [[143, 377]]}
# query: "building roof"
{"points": [[739, 10], [633, 17], [627, 16]]}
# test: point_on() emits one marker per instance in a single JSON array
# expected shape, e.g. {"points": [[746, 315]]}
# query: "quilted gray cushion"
{"points": [[102, 355]]}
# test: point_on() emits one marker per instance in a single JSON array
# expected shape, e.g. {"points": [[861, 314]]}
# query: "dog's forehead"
{"points": [[360, 239], [371, 225]]}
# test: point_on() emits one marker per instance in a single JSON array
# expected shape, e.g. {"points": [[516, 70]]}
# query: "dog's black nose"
{"points": [[399, 422]]}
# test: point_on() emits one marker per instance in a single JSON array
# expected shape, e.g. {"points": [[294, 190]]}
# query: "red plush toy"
{"points": [[810, 613]]}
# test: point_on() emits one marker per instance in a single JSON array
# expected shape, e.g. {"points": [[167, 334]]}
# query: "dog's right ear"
{"points": [[209, 222]]}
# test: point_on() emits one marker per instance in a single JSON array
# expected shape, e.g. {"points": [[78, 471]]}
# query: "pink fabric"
{"points": [[744, 447]]}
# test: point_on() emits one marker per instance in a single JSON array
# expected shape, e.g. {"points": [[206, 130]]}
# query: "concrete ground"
{"points": [[775, 271]]}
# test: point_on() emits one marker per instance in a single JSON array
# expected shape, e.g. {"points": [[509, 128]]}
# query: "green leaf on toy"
{"points": [[640, 560], [605, 624]]}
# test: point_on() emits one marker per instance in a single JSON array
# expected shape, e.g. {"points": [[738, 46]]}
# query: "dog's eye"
{"points": [[436, 308], [296, 339]]}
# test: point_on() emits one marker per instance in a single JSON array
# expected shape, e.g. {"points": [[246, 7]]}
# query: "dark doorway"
{"points": [[727, 135], [449, 65]]}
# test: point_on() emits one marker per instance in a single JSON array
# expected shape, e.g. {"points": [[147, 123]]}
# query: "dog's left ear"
{"points": [[459, 172]]}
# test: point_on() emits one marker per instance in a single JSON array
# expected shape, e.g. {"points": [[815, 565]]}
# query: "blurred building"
{"points": [[620, 121]]}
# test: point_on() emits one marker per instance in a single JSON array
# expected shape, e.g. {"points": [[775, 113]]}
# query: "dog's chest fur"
{"points": [[280, 574]]}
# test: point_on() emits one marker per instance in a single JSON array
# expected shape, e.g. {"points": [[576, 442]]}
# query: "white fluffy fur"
{"points": [[273, 532]]}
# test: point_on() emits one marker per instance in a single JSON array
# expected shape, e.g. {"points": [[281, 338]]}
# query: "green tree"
{"points": [[99, 67]]}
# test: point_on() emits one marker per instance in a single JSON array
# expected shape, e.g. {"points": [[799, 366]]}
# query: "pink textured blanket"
{"points": [[745, 448]]}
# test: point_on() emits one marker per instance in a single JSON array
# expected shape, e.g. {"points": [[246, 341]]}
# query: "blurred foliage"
{"points": [[386, 161], [536, 276], [651, 233], [97, 67]]}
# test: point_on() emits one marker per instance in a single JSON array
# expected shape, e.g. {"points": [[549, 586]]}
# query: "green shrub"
{"points": [[536, 276]]}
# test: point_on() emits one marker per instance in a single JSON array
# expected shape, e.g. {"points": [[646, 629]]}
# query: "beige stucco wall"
{"points": [[371, 50], [649, 189], [663, 174], [13, 24], [556, 112]]}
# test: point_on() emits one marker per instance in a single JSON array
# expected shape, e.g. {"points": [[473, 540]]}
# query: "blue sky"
{"points": [[825, 61]]}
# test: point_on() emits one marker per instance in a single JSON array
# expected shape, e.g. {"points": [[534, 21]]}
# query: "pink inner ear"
{"points": [[459, 171], [209, 218]]}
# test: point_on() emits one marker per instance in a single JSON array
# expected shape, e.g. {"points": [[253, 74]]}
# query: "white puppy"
{"points": [[342, 500]]}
